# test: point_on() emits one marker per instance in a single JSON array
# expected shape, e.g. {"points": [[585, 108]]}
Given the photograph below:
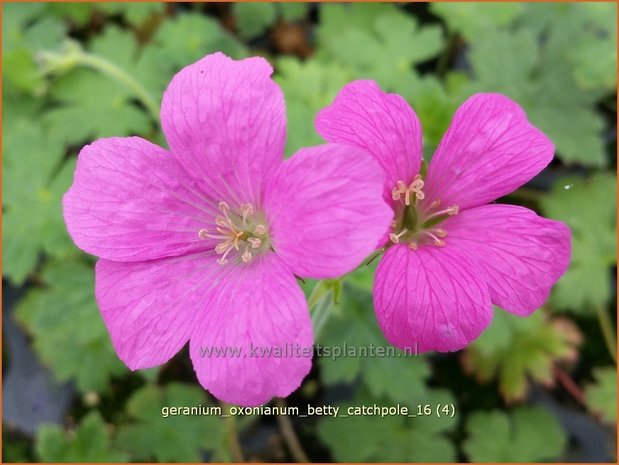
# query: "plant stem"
{"points": [[321, 314], [234, 445], [110, 69], [290, 437], [570, 386], [607, 331]]}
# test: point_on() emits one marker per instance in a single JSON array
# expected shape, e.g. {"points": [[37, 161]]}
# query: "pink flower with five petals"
{"points": [[202, 243], [451, 254]]}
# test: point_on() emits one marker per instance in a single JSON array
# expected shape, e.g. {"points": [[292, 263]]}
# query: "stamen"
{"points": [[437, 241], [236, 231], [440, 232], [223, 260], [412, 246], [395, 238], [451, 211], [255, 242], [246, 210], [223, 247], [247, 256]]}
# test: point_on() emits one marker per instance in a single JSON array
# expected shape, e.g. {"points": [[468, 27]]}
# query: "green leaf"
{"points": [[253, 19], [136, 14], [474, 19], [594, 53], [390, 438], [174, 438], [515, 350], [85, 115], [370, 41], [21, 42], [76, 12], [68, 332], [601, 396], [189, 36], [384, 370], [35, 180], [533, 64], [308, 87], [588, 207], [527, 434], [293, 11], [90, 442]]}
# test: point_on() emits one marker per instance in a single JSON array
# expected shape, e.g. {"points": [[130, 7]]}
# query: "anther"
{"points": [[260, 229], [412, 246], [395, 238], [255, 242], [441, 232], [247, 256], [453, 210], [203, 234]]}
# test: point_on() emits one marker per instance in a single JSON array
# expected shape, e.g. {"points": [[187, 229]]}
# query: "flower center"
{"points": [[415, 223], [241, 233]]}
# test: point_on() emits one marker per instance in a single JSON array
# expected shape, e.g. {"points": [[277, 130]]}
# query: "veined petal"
{"points": [[430, 299], [489, 150], [225, 122], [150, 308], [255, 342], [522, 254], [131, 201], [364, 116], [325, 210]]}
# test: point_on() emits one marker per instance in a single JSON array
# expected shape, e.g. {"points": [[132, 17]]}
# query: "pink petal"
{"points": [[225, 122], [131, 201], [430, 299], [325, 210], [260, 307], [522, 255], [150, 308], [489, 150], [364, 116]]}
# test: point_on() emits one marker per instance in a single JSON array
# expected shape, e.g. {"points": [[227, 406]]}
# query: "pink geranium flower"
{"points": [[450, 254], [202, 243]]}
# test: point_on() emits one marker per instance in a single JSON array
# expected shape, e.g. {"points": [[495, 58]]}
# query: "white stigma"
{"points": [[414, 188]]}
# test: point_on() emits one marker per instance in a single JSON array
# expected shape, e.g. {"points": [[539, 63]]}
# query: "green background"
{"points": [[76, 72]]}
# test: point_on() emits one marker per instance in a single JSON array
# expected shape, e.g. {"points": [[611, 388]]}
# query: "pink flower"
{"points": [[202, 243], [450, 254]]}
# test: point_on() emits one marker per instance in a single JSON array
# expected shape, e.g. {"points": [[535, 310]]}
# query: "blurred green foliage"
{"points": [[74, 72]]}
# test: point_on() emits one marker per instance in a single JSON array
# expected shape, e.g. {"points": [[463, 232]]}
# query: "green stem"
{"points": [[290, 437], [321, 314], [110, 69], [234, 445], [607, 331]]}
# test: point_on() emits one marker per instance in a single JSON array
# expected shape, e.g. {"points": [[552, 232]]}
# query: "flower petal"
{"points": [[325, 210], [522, 254], [225, 122], [364, 116], [430, 299], [243, 348], [131, 201], [489, 150], [150, 307]]}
